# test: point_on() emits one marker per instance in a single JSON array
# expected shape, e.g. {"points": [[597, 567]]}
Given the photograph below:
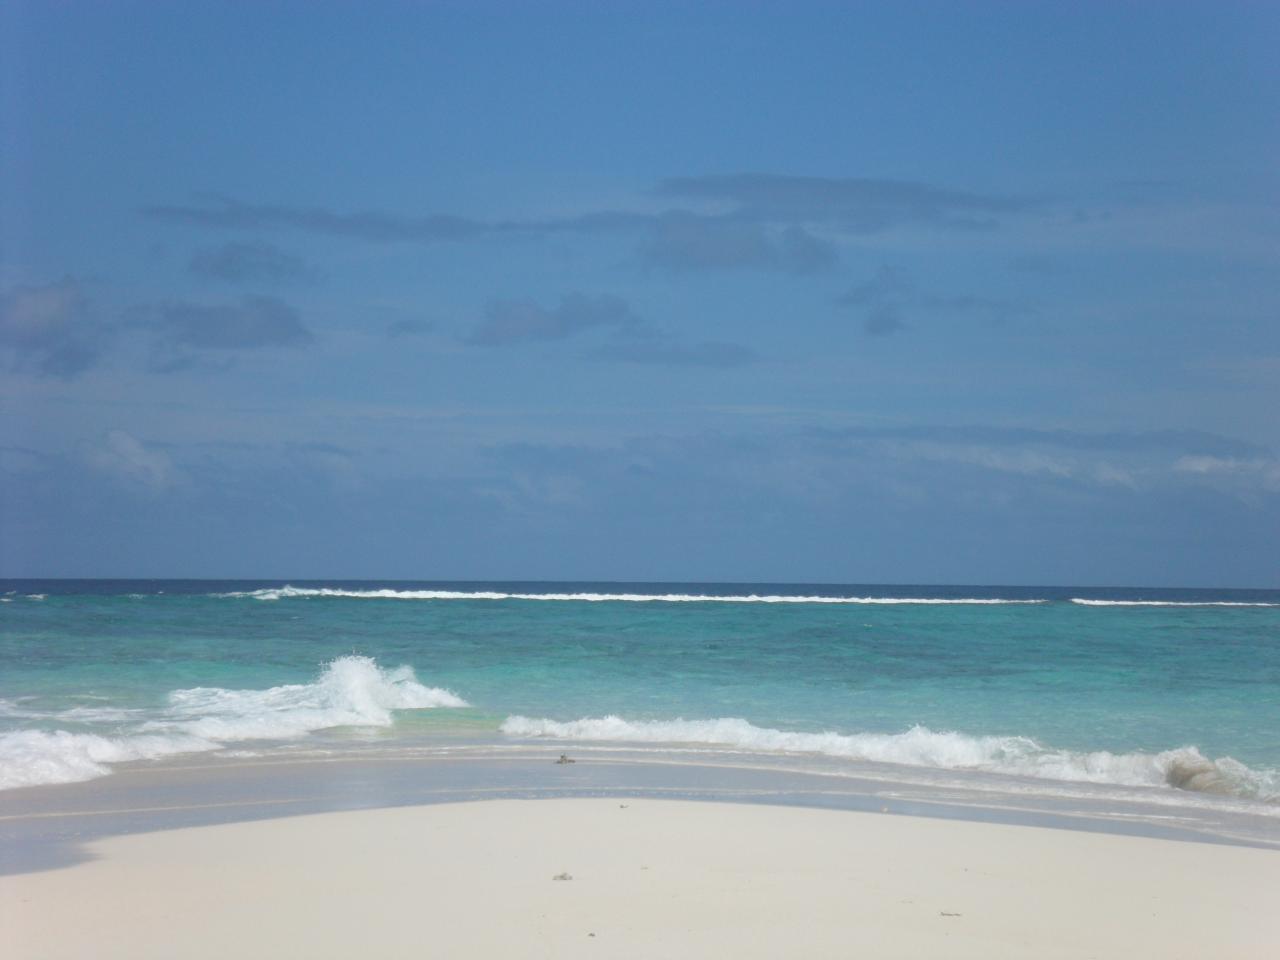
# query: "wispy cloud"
{"points": [[883, 319], [516, 321], [51, 331], [220, 211], [686, 241], [889, 295], [48, 329], [247, 263], [409, 328], [252, 323], [1259, 471], [667, 351], [187, 335], [125, 457], [887, 283], [631, 338], [856, 204], [20, 460], [730, 221], [880, 299], [1176, 443], [958, 471]]}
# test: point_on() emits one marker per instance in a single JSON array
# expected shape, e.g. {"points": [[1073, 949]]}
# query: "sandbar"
{"points": [[625, 877]]}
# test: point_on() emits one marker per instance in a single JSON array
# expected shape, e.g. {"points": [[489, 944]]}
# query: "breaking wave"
{"points": [[350, 691], [1184, 768], [30, 757], [284, 593], [1170, 603]]}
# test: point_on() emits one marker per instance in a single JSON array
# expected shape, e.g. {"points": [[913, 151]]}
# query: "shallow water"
{"points": [[1176, 690]]}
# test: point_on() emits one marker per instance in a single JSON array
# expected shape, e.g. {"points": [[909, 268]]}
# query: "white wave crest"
{"points": [[1170, 603], [1185, 767], [30, 757], [284, 593], [350, 691]]}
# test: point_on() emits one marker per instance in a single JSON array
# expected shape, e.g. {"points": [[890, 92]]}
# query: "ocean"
{"points": [[1052, 689]]}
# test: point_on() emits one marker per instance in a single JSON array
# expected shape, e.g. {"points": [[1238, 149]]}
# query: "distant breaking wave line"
{"points": [[1185, 768], [283, 593], [1171, 603]]}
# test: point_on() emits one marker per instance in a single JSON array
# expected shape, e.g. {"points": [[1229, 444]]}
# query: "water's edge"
{"points": [[48, 827]]}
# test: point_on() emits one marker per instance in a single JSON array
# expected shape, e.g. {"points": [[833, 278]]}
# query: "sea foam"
{"points": [[289, 592], [350, 691], [1169, 603], [1185, 768], [31, 757]]}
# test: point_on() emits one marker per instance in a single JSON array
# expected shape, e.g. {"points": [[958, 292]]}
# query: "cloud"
{"points": [[886, 283], [665, 351], [686, 241], [931, 501], [20, 460], [1204, 464], [378, 227], [880, 300], [1137, 461], [729, 221], [517, 321], [856, 204], [1260, 471], [993, 308], [254, 323], [889, 294], [123, 456], [1028, 462], [247, 263], [1192, 443], [409, 328], [633, 339], [882, 320], [48, 329], [373, 226], [944, 471]]}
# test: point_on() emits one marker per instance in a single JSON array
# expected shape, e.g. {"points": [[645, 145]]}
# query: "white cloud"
{"points": [[47, 329], [1110, 475], [1025, 462], [125, 457], [1256, 471]]}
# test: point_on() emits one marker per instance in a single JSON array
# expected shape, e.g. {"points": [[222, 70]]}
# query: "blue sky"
{"points": [[936, 292]]}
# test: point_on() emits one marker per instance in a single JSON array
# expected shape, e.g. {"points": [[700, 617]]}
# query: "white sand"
{"points": [[650, 878]]}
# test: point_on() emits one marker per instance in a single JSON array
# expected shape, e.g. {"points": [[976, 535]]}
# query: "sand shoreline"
{"points": [[644, 877], [47, 827], [201, 790]]}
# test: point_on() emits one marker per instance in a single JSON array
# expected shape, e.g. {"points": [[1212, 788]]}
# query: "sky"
{"points": [[975, 293]]}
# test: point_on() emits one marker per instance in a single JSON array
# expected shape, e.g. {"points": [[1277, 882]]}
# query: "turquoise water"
{"points": [[1135, 687]]}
